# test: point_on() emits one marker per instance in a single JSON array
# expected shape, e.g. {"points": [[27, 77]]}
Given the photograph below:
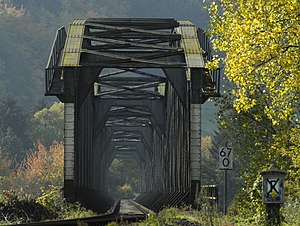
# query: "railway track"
{"points": [[125, 210]]}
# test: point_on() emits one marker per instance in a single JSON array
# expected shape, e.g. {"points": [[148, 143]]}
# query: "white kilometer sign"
{"points": [[226, 158]]}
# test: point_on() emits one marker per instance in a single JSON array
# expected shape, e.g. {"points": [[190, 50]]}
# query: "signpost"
{"points": [[226, 158], [273, 194], [225, 163]]}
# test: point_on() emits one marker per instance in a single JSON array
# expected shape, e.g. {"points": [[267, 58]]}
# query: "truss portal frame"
{"points": [[133, 84]]}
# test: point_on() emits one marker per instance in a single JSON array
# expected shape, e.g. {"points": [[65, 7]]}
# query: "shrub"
{"points": [[291, 212], [185, 216], [16, 209]]}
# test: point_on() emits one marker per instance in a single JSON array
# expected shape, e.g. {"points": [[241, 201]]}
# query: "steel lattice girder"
{"points": [[129, 98], [130, 84], [131, 46], [153, 110]]}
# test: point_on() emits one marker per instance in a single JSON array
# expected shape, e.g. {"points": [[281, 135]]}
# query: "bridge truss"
{"points": [[131, 88]]}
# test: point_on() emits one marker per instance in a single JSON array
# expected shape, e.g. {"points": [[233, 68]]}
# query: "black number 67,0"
{"points": [[225, 160]]}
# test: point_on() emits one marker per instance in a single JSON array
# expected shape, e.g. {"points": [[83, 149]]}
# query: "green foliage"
{"points": [[47, 124], [39, 105], [112, 224], [124, 177], [185, 216], [262, 52], [36, 185], [208, 216], [21, 75], [39, 173], [73, 211], [5, 165], [291, 212], [260, 113], [210, 172], [18, 132], [168, 216], [11, 143], [50, 197], [247, 207], [13, 124], [254, 151], [18, 209]]}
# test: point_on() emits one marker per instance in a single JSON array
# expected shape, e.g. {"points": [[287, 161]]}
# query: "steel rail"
{"points": [[113, 215]]}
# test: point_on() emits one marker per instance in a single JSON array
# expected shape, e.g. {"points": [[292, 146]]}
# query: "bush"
{"points": [[291, 212], [16, 209], [67, 210], [39, 173], [35, 189], [185, 216]]}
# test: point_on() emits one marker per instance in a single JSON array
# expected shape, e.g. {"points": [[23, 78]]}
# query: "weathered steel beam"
{"points": [[129, 111], [145, 133], [145, 59], [145, 32], [121, 35], [132, 80], [135, 89], [107, 43], [147, 23], [156, 107]]}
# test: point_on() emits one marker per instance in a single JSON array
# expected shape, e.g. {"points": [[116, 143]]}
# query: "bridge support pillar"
{"points": [[69, 123], [195, 152]]}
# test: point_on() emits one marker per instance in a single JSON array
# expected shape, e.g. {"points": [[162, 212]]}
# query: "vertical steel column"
{"points": [[69, 124], [85, 133]]}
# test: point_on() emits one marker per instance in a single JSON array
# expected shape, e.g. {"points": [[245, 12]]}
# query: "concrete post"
{"points": [[195, 151], [69, 124]]}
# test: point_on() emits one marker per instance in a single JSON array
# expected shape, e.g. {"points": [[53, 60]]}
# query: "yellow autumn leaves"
{"points": [[261, 42]]}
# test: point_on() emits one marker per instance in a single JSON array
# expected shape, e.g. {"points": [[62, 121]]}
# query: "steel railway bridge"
{"points": [[131, 88]]}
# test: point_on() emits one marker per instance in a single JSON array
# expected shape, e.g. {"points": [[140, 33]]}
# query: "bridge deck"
{"points": [[129, 207]]}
